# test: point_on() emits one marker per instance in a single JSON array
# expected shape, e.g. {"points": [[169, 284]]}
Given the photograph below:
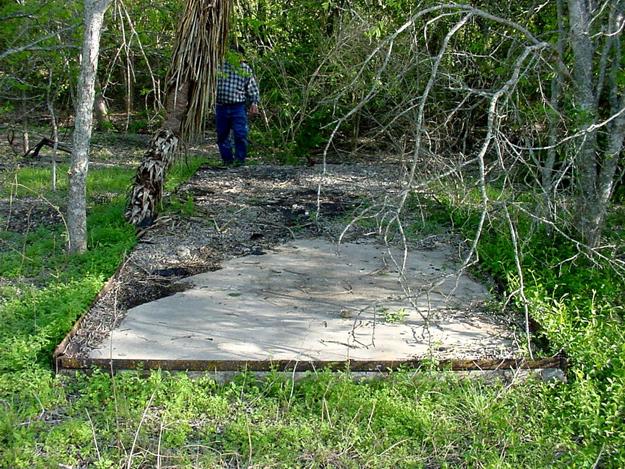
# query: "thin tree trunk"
{"points": [[101, 113], [554, 121], [616, 128], [130, 90], [595, 80], [25, 139], [583, 53], [55, 128], [77, 198]]}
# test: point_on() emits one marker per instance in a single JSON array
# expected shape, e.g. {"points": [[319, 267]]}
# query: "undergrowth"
{"points": [[579, 306], [409, 419]]}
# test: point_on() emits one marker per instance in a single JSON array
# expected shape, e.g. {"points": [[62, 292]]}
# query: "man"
{"points": [[236, 90]]}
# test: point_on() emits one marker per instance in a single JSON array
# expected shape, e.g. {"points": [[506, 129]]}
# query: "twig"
{"points": [[134, 442], [95, 440]]}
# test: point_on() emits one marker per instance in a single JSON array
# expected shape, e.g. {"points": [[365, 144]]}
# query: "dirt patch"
{"points": [[26, 214]]}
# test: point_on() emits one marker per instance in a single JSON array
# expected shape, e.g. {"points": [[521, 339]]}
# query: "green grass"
{"points": [[580, 308], [40, 312], [410, 419], [327, 420], [182, 171], [33, 181]]}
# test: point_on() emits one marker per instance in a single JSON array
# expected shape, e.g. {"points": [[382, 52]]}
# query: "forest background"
{"points": [[507, 119]]}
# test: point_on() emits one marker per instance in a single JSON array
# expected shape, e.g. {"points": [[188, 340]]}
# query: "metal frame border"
{"points": [[63, 363]]}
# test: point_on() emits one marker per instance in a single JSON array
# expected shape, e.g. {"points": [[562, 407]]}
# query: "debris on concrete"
{"points": [[254, 274], [313, 300]]}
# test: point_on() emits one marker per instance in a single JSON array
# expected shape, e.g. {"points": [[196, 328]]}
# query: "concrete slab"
{"points": [[308, 301]]}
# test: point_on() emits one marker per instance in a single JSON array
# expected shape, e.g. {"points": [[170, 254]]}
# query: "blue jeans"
{"points": [[232, 117]]}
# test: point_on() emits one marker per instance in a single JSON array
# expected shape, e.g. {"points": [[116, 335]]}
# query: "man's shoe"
{"points": [[222, 165]]}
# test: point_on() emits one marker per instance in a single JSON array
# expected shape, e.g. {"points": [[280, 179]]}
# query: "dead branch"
{"points": [[47, 142]]}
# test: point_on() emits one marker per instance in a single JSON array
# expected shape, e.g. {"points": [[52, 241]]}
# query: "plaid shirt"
{"points": [[236, 85]]}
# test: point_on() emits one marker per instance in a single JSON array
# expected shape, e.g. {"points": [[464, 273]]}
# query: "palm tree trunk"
{"points": [[199, 48]]}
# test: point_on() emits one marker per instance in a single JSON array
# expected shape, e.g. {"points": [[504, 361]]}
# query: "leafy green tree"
{"points": [[37, 48]]}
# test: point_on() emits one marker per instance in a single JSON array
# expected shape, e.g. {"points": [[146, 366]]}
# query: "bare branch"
{"points": [[33, 45], [16, 16]]}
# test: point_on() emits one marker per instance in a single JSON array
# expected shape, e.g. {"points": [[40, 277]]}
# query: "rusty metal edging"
{"points": [[67, 363], [63, 362], [60, 349]]}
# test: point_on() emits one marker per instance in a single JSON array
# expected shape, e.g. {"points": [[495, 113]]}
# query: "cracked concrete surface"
{"points": [[309, 301]]}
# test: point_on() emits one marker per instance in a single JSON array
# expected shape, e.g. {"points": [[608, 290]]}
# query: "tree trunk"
{"points": [[597, 158], [583, 52], [129, 83], [199, 48], [554, 123], [147, 187], [101, 113], [77, 198], [25, 138], [616, 99]]}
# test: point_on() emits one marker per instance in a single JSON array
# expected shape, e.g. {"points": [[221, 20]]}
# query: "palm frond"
{"points": [[146, 190], [199, 48]]}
